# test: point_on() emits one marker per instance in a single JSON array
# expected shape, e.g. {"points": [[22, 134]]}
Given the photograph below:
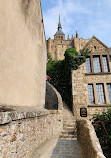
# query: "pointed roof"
{"points": [[59, 32], [94, 37], [76, 34], [59, 24]]}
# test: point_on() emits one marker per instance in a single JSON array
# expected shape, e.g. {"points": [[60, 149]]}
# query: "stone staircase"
{"points": [[69, 124]]}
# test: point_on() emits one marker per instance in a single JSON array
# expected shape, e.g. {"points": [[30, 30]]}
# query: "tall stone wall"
{"points": [[79, 43], [57, 47], [22, 53]]}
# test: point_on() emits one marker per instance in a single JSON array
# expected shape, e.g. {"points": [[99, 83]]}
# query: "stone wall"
{"points": [[23, 129], [81, 79], [22, 53], [88, 140], [79, 43], [53, 100], [57, 47]]}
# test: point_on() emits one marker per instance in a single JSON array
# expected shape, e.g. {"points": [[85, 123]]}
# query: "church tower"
{"points": [[59, 34]]}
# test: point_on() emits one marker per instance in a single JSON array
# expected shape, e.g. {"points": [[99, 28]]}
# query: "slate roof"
{"points": [[59, 32]]}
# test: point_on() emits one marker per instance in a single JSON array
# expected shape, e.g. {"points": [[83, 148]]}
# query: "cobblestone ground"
{"points": [[66, 148]]}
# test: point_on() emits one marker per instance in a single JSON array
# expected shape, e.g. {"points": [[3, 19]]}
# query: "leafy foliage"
{"points": [[102, 124], [60, 71]]}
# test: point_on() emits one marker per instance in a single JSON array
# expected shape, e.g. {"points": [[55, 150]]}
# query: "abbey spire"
{"points": [[59, 31], [59, 24]]}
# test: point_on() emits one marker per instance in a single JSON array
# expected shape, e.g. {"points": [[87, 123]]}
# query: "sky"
{"points": [[88, 17]]}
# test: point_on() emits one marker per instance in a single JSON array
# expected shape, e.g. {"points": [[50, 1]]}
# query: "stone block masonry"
{"points": [[21, 132], [82, 78], [88, 140]]}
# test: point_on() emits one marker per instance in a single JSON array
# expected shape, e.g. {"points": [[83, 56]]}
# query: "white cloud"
{"points": [[67, 9], [88, 17]]}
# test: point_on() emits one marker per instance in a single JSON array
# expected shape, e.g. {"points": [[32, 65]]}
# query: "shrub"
{"points": [[102, 125], [60, 71]]}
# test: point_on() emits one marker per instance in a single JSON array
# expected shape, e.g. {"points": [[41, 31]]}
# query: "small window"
{"points": [[96, 63], [95, 47], [88, 65], [105, 63], [109, 91], [61, 41], [91, 93], [61, 37], [100, 93]]}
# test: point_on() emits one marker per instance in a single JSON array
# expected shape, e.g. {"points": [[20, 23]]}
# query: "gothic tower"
{"points": [[59, 34]]}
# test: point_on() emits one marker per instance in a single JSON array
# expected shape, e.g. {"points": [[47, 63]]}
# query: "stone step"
{"points": [[68, 128], [68, 132], [69, 122], [68, 125], [68, 118], [68, 136]]}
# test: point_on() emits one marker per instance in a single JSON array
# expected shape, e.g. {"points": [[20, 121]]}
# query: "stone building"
{"points": [[56, 47], [22, 54], [91, 83], [24, 122]]}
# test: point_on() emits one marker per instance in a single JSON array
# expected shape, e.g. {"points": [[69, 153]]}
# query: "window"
{"points": [[88, 64], [61, 37], [96, 63], [100, 93], [94, 47], [105, 63], [109, 91], [91, 93]]}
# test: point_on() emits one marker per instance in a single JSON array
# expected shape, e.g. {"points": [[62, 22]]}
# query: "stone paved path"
{"points": [[59, 148], [66, 148]]}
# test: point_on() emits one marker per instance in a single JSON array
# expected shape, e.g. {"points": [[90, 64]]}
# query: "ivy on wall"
{"points": [[60, 71]]}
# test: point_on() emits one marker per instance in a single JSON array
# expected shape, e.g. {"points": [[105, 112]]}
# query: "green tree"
{"points": [[60, 71]]}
